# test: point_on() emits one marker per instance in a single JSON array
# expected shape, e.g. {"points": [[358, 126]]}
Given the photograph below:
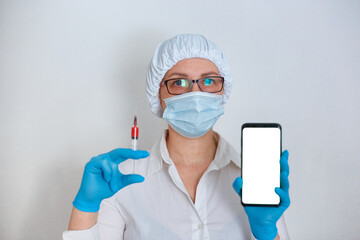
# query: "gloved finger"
{"points": [[284, 181], [130, 179], [106, 171], [99, 165], [115, 178], [237, 185], [121, 154], [284, 198], [284, 165]]}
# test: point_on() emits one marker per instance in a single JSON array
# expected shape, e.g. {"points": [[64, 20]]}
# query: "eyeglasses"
{"points": [[177, 86]]}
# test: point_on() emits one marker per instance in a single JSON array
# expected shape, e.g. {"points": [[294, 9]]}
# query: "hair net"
{"points": [[183, 46]]}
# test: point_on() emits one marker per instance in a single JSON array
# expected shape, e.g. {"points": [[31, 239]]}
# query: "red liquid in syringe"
{"points": [[134, 134]]}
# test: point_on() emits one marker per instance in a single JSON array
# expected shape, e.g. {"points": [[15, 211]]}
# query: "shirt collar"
{"points": [[225, 154], [158, 154]]}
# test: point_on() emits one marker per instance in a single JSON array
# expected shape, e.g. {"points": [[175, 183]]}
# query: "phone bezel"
{"points": [[258, 125]]}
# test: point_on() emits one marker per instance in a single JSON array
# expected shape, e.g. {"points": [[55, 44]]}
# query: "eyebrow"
{"points": [[211, 73]]}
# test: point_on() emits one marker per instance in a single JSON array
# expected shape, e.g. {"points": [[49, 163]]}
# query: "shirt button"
{"points": [[200, 226]]}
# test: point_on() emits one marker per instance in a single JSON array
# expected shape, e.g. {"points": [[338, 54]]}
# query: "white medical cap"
{"points": [[183, 46]]}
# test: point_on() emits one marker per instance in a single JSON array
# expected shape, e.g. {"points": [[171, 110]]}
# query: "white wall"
{"points": [[72, 74]]}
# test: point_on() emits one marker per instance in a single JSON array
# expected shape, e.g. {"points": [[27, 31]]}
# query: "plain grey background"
{"points": [[72, 75]]}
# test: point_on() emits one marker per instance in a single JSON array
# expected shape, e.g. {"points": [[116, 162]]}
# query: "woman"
{"points": [[187, 190]]}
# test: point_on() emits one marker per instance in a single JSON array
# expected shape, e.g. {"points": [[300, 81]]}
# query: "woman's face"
{"points": [[192, 68]]}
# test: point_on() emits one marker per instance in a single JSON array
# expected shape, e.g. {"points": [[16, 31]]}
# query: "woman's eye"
{"points": [[208, 81], [179, 83]]}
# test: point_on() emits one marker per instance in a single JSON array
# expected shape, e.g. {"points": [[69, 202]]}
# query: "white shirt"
{"points": [[161, 208]]}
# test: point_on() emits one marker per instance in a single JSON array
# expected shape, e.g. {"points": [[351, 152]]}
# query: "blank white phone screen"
{"points": [[261, 165]]}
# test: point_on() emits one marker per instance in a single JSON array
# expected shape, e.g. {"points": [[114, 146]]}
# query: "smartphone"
{"points": [[260, 163]]}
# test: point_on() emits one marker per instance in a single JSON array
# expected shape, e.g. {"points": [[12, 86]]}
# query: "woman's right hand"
{"points": [[102, 178]]}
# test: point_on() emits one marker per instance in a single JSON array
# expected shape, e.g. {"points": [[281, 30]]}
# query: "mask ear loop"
{"points": [[161, 84], [161, 99]]}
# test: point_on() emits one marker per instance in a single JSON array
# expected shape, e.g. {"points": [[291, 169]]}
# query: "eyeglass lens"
{"points": [[208, 84]]}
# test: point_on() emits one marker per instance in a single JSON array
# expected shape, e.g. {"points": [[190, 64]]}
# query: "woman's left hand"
{"points": [[263, 218]]}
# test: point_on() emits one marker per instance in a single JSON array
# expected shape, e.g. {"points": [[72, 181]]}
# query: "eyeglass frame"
{"points": [[192, 84]]}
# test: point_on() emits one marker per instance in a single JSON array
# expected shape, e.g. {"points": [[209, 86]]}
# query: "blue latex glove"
{"points": [[263, 219], [102, 178]]}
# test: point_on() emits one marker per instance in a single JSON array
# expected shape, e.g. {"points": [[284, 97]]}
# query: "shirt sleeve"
{"points": [[110, 225], [282, 230], [111, 222], [88, 234]]}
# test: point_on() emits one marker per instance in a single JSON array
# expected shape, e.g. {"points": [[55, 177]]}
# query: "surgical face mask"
{"points": [[193, 114]]}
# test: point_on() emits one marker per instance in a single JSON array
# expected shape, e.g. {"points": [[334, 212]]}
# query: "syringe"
{"points": [[134, 138]]}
